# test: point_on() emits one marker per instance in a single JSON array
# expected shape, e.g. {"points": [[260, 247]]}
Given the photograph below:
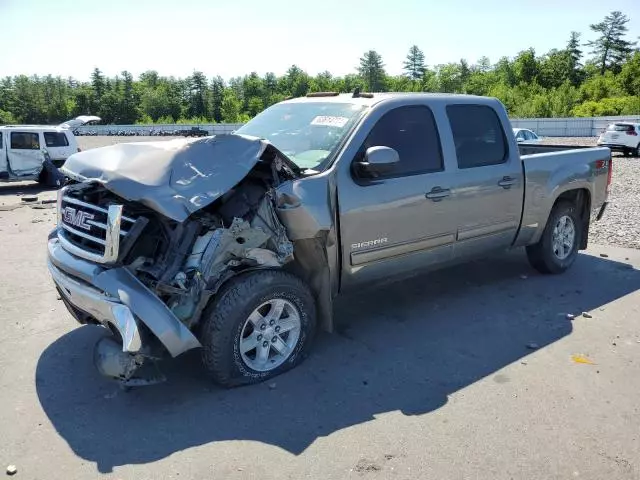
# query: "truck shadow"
{"points": [[405, 347]]}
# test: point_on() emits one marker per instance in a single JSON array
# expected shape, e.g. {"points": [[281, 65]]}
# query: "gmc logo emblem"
{"points": [[77, 218]]}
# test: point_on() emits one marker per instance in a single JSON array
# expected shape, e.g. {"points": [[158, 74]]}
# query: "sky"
{"points": [[236, 37]]}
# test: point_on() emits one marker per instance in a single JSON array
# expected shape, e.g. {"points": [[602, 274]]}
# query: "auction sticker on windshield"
{"points": [[327, 121]]}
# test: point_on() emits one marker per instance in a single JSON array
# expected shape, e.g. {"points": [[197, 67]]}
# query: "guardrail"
{"points": [[544, 127], [570, 127]]}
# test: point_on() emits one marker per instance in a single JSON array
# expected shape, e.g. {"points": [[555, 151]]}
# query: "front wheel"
{"points": [[557, 249], [260, 325]]}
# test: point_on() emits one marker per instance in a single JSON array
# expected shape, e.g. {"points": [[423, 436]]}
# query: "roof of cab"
{"points": [[374, 98]]}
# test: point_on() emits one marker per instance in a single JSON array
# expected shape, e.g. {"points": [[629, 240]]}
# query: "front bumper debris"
{"points": [[117, 300], [131, 370]]}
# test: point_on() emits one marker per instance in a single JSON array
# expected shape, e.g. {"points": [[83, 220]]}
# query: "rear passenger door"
{"points": [[25, 156], [490, 182]]}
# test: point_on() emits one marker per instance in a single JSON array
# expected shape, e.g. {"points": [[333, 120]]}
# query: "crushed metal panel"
{"points": [[175, 178], [307, 209], [121, 284], [228, 245]]}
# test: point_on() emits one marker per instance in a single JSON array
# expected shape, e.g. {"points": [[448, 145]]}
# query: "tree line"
{"points": [[562, 82]]}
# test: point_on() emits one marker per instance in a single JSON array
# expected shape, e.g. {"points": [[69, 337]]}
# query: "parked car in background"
{"points": [[240, 243], [194, 132], [622, 137], [525, 135], [24, 149]]}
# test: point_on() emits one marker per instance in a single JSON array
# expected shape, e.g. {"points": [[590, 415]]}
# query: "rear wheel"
{"points": [[260, 326], [557, 249], [636, 151]]}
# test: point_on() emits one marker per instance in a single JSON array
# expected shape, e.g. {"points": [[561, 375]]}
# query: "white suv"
{"points": [[24, 148], [622, 137]]}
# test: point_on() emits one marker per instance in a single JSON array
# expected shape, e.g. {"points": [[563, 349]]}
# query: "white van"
{"points": [[25, 148]]}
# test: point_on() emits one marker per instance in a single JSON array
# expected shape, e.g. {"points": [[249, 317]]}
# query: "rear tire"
{"points": [[557, 249], [245, 314], [636, 151]]}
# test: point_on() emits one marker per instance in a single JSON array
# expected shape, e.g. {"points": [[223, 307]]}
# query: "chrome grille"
{"points": [[90, 231]]}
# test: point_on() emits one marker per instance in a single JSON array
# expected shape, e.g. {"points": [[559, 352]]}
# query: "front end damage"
{"points": [[148, 233]]}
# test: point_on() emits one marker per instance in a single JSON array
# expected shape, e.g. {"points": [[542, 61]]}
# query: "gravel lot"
{"points": [[483, 371], [621, 222]]}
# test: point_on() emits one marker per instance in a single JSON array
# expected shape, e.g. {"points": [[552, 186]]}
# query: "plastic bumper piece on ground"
{"points": [[114, 297]]}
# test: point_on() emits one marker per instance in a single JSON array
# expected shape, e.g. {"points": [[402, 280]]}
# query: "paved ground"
{"points": [[428, 379]]}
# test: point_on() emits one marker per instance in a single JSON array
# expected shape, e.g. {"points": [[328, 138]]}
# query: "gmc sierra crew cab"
{"points": [[238, 244]]}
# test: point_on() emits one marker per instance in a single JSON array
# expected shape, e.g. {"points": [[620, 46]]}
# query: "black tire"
{"points": [[541, 255], [636, 151], [224, 320]]}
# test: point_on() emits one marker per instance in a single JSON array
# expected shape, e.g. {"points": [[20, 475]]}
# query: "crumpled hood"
{"points": [[175, 177]]}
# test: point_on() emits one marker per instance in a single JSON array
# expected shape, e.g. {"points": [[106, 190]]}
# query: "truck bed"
{"points": [[532, 149], [551, 170]]}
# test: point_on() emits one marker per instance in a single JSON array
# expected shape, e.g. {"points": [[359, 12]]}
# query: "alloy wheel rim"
{"points": [[270, 335]]}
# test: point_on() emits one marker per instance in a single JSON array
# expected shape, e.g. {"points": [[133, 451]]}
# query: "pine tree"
{"points": [[371, 70], [575, 55], [97, 82], [610, 49], [217, 96], [414, 66]]}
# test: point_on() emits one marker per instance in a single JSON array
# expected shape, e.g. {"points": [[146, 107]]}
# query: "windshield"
{"points": [[308, 133]]}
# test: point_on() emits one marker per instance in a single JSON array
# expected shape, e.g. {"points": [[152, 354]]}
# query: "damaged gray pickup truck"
{"points": [[238, 244]]}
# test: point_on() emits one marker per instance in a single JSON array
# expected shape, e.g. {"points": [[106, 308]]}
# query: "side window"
{"points": [[412, 132], [478, 135], [55, 139], [25, 141], [520, 135]]}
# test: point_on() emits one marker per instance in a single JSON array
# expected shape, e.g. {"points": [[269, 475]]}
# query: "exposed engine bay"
{"points": [[185, 262]]}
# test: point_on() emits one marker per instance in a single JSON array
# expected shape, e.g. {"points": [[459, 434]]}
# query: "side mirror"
{"points": [[519, 139], [377, 161]]}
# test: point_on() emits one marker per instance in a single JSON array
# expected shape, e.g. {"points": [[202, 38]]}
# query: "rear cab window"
{"points": [[25, 141], [478, 135], [412, 132], [56, 139]]}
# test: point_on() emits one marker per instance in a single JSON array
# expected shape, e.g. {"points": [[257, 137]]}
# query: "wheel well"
{"points": [[581, 198]]}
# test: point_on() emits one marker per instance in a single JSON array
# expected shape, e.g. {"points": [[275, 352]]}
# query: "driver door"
{"points": [[404, 221], [4, 171]]}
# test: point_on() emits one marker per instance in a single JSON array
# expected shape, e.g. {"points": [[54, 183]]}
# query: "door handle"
{"points": [[438, 193], [506, 182]]}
